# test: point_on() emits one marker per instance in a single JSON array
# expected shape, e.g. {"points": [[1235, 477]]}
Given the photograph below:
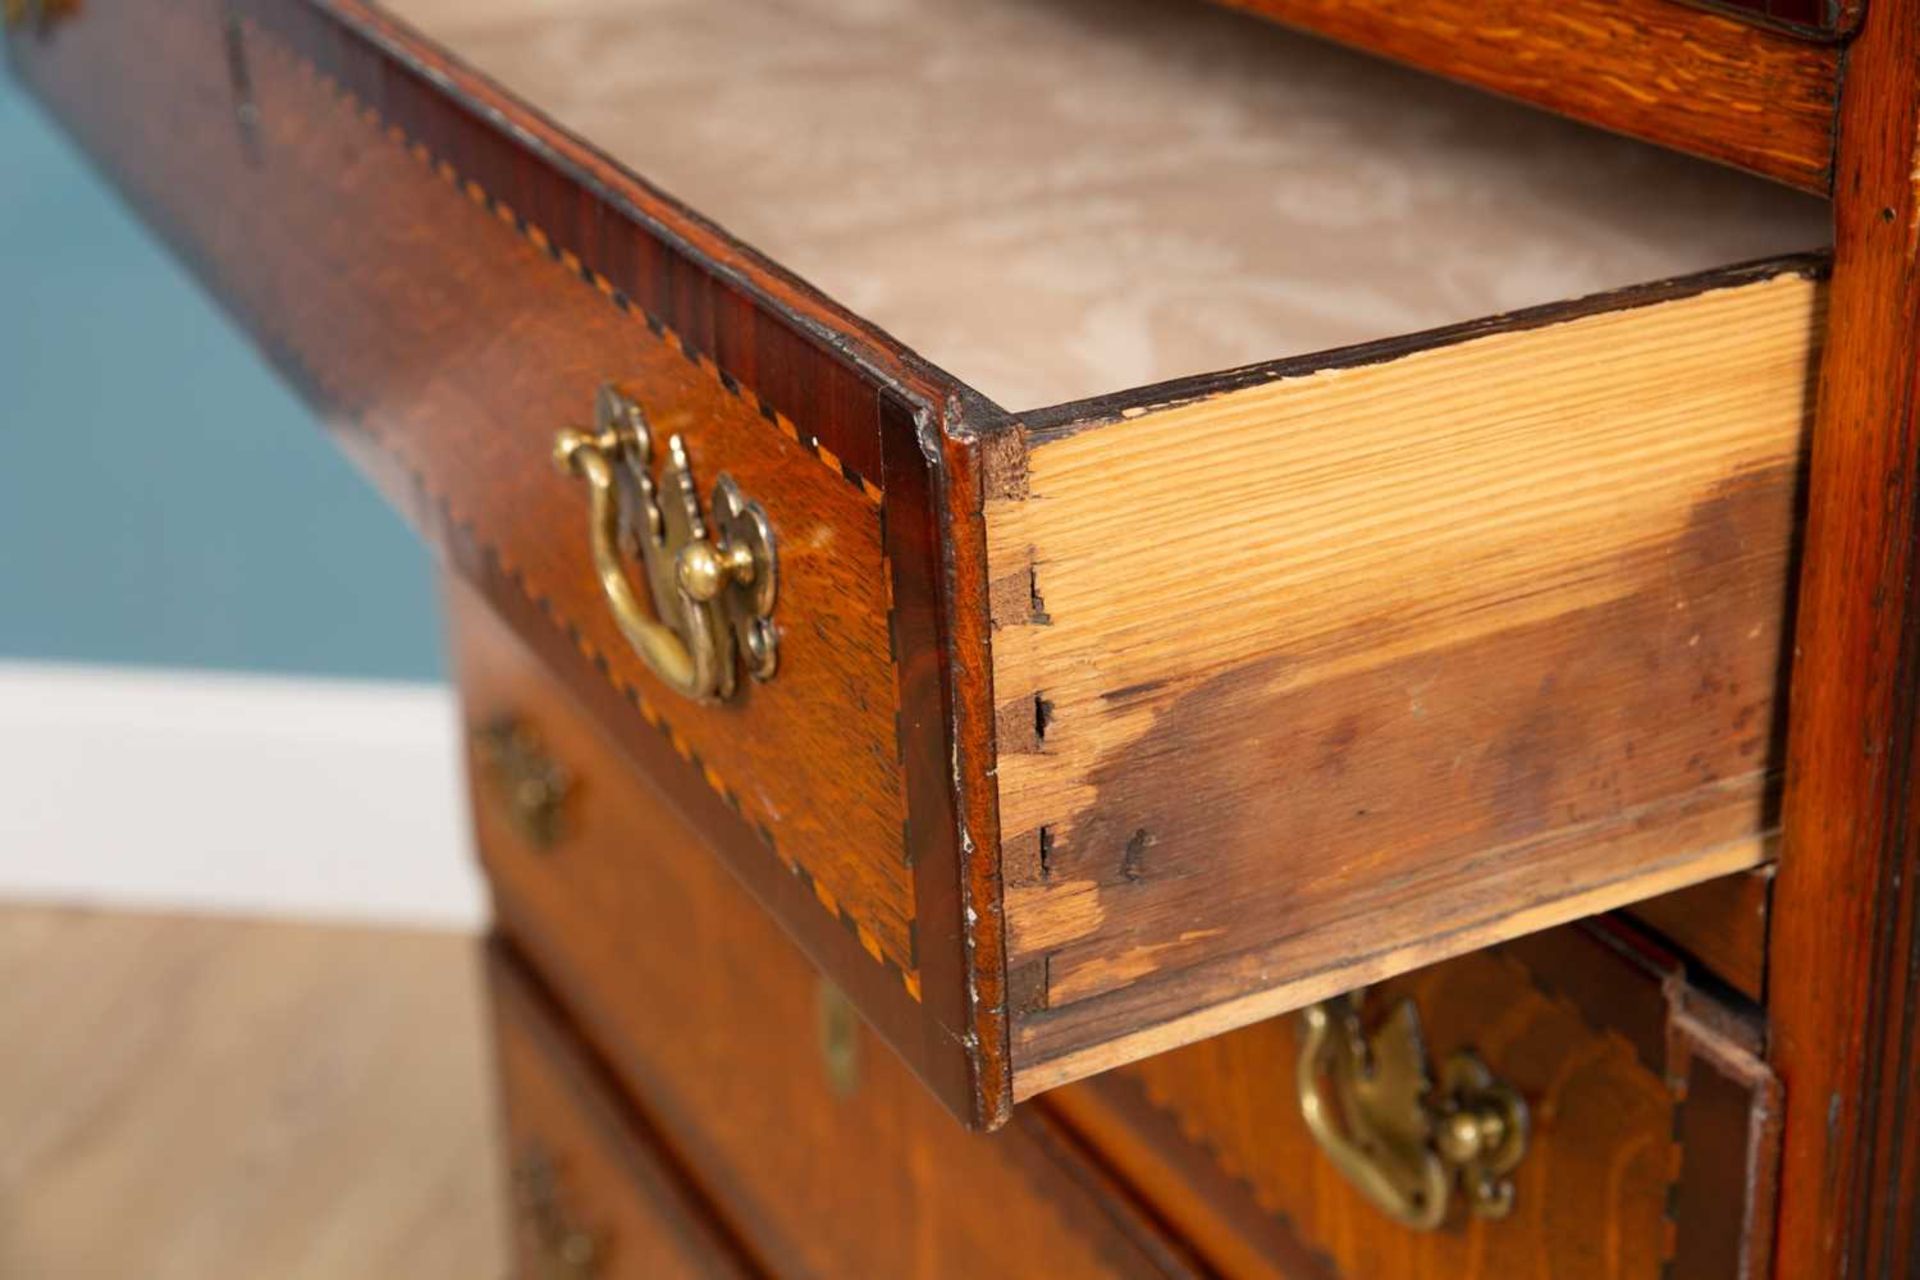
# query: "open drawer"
{"points": [[1064, 736]]}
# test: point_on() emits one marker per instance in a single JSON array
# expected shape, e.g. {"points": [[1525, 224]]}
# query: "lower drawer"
{"points": [[818, 1145], [592, 1196], [1651, 1139]]}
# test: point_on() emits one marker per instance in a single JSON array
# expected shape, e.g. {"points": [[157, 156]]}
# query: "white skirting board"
{"points": [[208, 792]]}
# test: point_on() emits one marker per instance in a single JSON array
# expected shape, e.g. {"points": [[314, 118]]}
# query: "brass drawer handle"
{"points": [[1400, 1140], [563, 1250], [530, 786], [713, 593]]}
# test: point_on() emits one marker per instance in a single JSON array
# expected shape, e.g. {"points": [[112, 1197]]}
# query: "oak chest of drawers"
{"points": [[1369, 534]]}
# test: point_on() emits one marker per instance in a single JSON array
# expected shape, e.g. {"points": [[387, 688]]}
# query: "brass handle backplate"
{"points": [[708, 603], [1403, 1140], [562, 1249], [839, 1028], [529, 786]]}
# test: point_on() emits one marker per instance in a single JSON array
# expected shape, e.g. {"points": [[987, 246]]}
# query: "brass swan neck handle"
{"points": [[709, 595], [1401, 1140]]}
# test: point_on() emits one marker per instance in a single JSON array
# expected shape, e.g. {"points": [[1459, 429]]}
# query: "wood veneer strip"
{"points": [[1681, 76], [1844, 986]]}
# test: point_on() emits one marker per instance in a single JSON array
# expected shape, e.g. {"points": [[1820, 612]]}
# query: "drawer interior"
{"points": [[1058, 199], [1453, 609]]}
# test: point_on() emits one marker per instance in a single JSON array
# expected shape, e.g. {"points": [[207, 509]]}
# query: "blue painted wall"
{"points": [[164, 498]]}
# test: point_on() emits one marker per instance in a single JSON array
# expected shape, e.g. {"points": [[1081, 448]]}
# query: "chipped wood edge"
{"points": [[1688, 869]]}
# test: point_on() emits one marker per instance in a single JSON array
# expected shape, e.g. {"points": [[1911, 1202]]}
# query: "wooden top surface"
{"points": [[1061, 198]]}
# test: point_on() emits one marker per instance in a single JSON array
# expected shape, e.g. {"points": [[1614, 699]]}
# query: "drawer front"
{"points": [[1651, 1151], [454, 282], [757, 1070], [592, 1195]]}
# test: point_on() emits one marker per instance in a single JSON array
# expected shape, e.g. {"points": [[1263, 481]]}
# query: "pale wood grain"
{"points": [[1359, 668], [203, 1099]]}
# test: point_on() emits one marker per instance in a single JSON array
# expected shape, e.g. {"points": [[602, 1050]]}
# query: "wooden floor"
{"points": [[206, 1099]]}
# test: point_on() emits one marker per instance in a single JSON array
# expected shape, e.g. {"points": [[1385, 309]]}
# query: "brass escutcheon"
{"points": [[561, 1248], [839, 1033], [1404, 1142], [711, 591], [529, 786]]}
